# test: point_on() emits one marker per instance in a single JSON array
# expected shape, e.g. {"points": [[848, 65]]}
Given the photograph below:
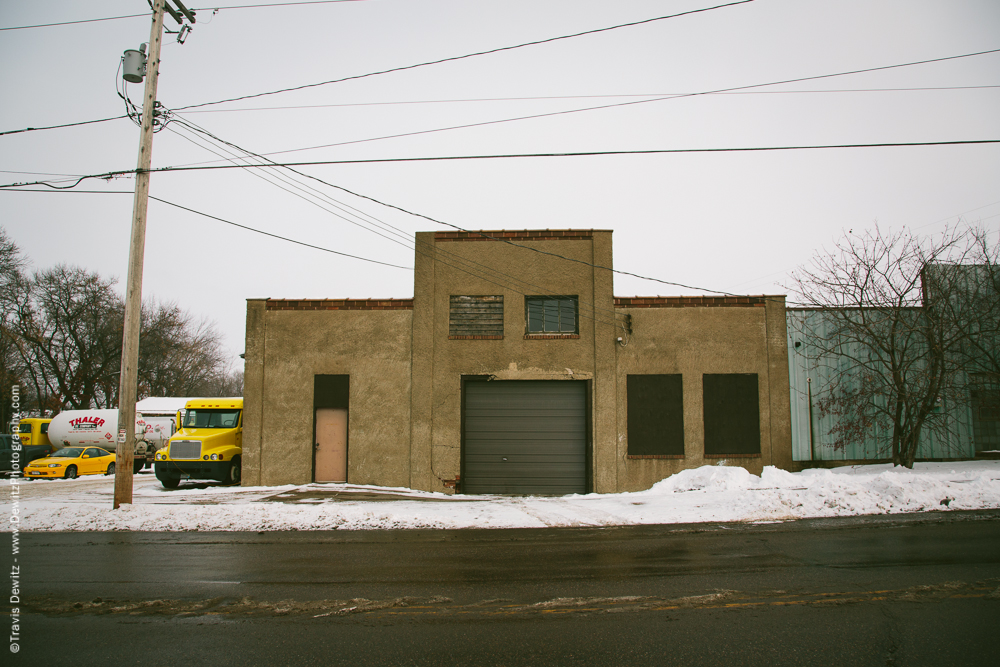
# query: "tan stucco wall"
{"points": [[693, 341], [406, 375], [372, 347], [451, 268]]}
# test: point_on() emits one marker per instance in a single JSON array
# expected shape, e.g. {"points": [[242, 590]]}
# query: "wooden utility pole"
{"points": [[128, 383]]}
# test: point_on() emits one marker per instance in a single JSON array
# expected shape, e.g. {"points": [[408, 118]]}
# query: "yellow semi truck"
{"points": [[34, 431], [208, 444]]}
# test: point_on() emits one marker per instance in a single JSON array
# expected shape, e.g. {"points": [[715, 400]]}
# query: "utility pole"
{"points": [[128, 387]]}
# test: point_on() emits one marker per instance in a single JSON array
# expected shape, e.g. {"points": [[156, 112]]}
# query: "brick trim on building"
{"points": [[475, 337], [339, 304], [690, 301], [732, 456], [521, 235], [551, 336], [654, 456]]}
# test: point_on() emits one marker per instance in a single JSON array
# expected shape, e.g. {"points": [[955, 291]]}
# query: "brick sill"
{"points": [[550, 336], [732, 456], [475, 337], [654, 456]]}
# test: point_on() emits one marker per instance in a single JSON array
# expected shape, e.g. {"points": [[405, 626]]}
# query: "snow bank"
{"points": [[710, 493]]}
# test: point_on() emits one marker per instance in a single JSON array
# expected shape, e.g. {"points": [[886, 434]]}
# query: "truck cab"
{"points": [[34, 431], [208, 444]]}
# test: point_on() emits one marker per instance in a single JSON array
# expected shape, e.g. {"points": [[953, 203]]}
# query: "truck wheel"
{"points": [[71, 472], [235, 472], [137, 466], [111, 469], [170, 482]]}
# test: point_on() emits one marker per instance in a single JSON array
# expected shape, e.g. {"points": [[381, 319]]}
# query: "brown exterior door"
{"points": [[331, 445]]}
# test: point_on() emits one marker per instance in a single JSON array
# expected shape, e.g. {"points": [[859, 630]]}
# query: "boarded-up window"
{"points": [[476, 317], [732, 414], [551, 314], [655, 415]]}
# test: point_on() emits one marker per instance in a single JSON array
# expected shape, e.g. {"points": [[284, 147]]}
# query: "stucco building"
{"points": [[513, 369]]}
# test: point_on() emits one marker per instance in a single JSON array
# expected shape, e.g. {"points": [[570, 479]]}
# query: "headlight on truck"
{"points": [[215, 457]]}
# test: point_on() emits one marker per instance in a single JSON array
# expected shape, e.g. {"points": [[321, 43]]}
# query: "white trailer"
{"points": [[98, 428]]}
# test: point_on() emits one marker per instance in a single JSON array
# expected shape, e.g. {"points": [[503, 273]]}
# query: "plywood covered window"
{"points": [[551, 314], [655, 416], [732, 414], [476, 317]]}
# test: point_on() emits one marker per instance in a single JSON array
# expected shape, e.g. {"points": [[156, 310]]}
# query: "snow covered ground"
{"points": [[710, 493]]}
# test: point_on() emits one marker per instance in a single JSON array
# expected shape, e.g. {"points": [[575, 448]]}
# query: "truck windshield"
{"points": [[24, 428], [198, 418]]}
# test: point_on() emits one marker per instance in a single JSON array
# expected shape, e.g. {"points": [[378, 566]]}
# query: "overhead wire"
{"points": [[539, 98], [496, 272], [56, 127], [637, 102], [283, 238], [466, 56], [720, 91], [194, 9], [447, 158], [471, 267]]}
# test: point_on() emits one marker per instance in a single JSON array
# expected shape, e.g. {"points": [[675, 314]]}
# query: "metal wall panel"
{"points": [[525, 437], [811, 433]]}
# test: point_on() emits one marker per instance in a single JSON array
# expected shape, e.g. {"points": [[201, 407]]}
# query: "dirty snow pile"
{"points": [[710, 493]]}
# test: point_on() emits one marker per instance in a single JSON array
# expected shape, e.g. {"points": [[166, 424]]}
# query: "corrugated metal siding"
{"points": [[525, 437], [802, 367]]}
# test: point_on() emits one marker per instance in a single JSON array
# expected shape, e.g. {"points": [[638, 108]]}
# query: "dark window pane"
{"points": [[551, 314], [732, 414], [655, 415]]}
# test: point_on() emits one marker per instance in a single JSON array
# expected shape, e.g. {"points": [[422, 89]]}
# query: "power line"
{"points": [[595, 153], [467, 55], [582, 97], [435, 251], [646, 101], [55, 127], [274, 4], [215, 9], [50, 25], [446, 158], [283, 238], [471, 267], [77, 192]]}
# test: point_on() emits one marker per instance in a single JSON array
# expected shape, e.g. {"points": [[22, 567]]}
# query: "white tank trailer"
{"points": [[80, 428]]}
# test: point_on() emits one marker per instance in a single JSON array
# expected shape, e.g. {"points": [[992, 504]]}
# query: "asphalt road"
{"points": [[904, 590]]}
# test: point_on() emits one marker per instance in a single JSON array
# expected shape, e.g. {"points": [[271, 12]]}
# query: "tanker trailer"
{"points": [[97, 428]]}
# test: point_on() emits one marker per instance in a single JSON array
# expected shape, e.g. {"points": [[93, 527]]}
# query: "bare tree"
{"points": [[62, 339], [891, 333], [179, 356], [12, 286], [71, 331]]}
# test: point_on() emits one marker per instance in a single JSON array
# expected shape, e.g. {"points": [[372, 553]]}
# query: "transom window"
{"points": [[552, 314]]}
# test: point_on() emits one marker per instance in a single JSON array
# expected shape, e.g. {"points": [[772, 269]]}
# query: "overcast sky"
{"points": [[729, 221]]}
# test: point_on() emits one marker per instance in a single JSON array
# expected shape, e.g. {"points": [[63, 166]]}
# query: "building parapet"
{"points": [[339, 304], [519, 235], [690, 301]]}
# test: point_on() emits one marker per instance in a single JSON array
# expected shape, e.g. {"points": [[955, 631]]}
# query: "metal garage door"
{"points": [[525, 437]]}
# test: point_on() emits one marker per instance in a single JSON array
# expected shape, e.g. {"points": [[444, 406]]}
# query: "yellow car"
{"points": [[70, 462]]}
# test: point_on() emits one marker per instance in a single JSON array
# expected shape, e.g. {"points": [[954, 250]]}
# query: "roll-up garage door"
{"points": [[525, 437]]}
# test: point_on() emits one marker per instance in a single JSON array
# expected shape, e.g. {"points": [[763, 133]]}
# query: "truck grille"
{"points": [[185, 449]]}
